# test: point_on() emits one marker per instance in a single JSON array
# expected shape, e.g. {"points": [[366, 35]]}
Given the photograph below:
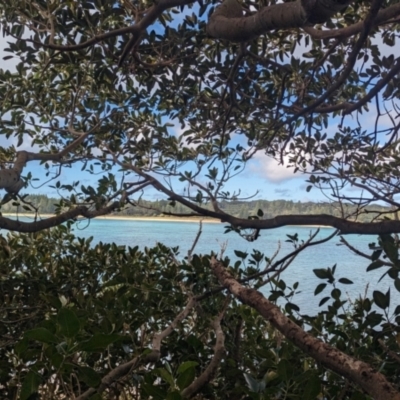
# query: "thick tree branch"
{"points": [[36, 226], [276, 266], [362, 374], [344, 226], [10, 178], [227, 21]]}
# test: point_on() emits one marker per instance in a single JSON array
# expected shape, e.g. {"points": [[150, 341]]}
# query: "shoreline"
{"points": [[126, 218], [159, 219]]}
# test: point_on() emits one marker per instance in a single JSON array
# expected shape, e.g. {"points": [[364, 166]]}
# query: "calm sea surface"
{"points": [[182, 234]]}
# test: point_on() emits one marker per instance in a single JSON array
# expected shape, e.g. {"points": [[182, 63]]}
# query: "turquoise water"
{"points": [[182, 234]]}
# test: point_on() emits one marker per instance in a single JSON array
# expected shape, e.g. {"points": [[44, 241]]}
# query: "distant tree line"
{"points": [[240, 209]]}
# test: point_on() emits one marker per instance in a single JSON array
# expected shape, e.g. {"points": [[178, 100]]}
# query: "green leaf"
{"points": [[89, 376], [336, 293], [156, 392], [381, 300], [376, 254], [164, 374], [323, 301], [390, 247], [21, 346], [322, 273], [291, 307], [285, 369], [96, 396], [373, 318], [69, 322], [241, 254], [397, 284], [30, 385], [186, 365], [345, 281], [312, 388], [186, 378], [375, 265], [319, 288], [174, 396], [98, 342], [41, 335]]}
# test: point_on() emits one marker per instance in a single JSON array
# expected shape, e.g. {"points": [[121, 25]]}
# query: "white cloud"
{"points": [[270, 169]]}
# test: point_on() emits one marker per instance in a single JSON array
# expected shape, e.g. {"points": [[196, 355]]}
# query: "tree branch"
{"points": [[28, 227], [219, 351], [227, 21], [359, 372], [344, 226], [10, 178], [122, 370], [382, 18]]}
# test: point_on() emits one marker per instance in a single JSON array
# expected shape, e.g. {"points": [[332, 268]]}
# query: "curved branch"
{"points": [[209, 373], [227, 21], [348, 108], [359, 372], [360, 253], [149, 17], [381, 84], [384, 16], [10, 178], [344, 226], [367, 25], [122, 370], [29, 227]]}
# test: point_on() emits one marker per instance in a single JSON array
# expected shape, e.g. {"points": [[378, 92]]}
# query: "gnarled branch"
{"points": [[227, 22], [359, 372]]}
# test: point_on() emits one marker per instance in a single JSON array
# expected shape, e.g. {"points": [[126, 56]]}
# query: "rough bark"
{"points": [[10, 178], [358, 372], [227, 22]]}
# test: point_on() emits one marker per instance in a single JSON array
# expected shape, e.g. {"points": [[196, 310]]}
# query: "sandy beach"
{"points": [[160, 219]]}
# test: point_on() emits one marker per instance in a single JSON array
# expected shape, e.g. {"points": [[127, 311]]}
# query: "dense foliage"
{"points": [[178, 97], [71, 312]]}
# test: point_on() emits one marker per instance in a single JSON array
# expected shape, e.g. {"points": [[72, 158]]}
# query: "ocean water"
{"points": [[213, 238]]}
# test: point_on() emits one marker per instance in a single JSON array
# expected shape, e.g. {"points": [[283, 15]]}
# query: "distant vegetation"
{"points": [[240, 209]]}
